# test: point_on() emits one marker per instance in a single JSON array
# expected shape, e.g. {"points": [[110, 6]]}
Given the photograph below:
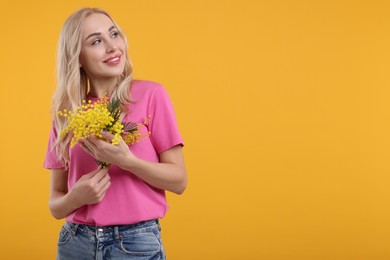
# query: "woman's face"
{"points": [[102, 53]]}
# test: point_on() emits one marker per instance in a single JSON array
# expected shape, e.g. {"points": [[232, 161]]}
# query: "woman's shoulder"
{"points": [[145, 86]]}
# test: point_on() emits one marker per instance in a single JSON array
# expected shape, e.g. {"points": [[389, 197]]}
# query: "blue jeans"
{"points": [[136, 241]]}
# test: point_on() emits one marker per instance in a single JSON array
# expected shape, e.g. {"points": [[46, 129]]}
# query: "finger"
{"points": [[98, 176], [104, 189], [86, 149], [90, 143], [107, 135], [106, 178]]}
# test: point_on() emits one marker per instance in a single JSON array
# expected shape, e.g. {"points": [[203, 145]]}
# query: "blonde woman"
{"points": [[112, 212]]}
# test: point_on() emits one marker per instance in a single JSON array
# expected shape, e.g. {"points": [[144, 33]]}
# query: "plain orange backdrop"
{"points": [[283, 107]]}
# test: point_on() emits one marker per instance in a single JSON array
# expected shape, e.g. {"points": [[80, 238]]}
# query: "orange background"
{"points": [[283, 106]]}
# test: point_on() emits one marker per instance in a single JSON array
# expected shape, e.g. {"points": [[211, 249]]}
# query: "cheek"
{"points": [[83, 59], [88, 59], [122, 45]]}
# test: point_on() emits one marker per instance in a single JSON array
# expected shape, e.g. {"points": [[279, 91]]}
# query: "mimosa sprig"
{"points": [[90, 118]]}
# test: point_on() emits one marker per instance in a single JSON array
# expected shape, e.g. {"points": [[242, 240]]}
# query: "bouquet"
{"points": [[91, 118]]}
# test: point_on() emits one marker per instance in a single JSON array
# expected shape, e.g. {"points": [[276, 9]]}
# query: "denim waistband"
{"points": [[113, 230]]}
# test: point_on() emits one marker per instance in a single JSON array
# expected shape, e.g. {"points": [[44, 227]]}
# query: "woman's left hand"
{"points": [[107, 152]]}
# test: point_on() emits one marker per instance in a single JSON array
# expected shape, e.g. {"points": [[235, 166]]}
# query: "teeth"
{"points": [[113, 60]]}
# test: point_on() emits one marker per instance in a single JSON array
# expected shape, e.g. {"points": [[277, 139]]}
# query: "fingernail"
{"points": [[103, 131]]}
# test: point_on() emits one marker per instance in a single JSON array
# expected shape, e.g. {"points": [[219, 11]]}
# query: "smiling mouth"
{"points": [[112, 60]]}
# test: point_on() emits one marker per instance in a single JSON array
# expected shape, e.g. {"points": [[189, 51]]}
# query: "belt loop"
{"points": [[116, 232], [158, 224], [74, 228]]}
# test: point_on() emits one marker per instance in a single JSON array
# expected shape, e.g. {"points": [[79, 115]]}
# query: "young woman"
{"points": [[112, 212]]}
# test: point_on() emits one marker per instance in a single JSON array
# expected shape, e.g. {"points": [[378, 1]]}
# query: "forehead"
{"points": [[96, 23]]}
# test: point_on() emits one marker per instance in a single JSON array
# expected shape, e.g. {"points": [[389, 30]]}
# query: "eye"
{"points": [[114, 34], [96, 42]]}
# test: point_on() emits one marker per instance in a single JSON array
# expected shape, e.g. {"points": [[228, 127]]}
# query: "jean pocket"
{"points": [[141, 244], [65, 235]]}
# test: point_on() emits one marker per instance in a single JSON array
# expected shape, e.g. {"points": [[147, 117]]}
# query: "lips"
{"points": [[113, 60]]}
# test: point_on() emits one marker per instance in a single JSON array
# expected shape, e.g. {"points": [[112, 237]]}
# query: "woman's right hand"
{"points": [[91, 187]]}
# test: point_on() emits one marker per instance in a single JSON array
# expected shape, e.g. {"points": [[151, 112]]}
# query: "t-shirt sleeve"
{"points": [[51, 159], [164, 132]]}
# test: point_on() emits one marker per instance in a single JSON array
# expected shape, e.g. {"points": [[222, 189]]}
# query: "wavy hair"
{"points": [[72, 81]]}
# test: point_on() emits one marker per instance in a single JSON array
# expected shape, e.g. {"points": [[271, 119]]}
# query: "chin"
{"points": [[113, 73]]}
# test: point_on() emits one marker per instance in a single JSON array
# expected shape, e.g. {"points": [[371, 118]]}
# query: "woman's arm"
{"points": [[169, 174], [89, 189]]}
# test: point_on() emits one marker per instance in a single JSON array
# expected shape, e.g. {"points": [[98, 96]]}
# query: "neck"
{"points": [[101, 86]]}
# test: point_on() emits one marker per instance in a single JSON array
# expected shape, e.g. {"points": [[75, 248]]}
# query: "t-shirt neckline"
{"points": [[89, 97]]}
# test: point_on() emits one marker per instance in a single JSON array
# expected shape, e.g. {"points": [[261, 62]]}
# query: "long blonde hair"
{"points": [[72, 81]]}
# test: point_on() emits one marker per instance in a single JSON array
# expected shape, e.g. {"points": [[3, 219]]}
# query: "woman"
{"points": [[112, 212]]}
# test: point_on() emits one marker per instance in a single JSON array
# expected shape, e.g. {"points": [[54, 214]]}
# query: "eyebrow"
{"points": [[98, 33]]}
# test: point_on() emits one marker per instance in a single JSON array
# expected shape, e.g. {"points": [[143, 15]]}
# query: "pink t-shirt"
{"points": [[129, 199]]}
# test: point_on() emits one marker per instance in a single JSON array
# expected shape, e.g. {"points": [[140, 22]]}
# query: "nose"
{"points": [[111, 46]]}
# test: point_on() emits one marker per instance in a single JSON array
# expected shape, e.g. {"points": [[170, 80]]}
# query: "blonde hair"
{"points": [[72, 82]]}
